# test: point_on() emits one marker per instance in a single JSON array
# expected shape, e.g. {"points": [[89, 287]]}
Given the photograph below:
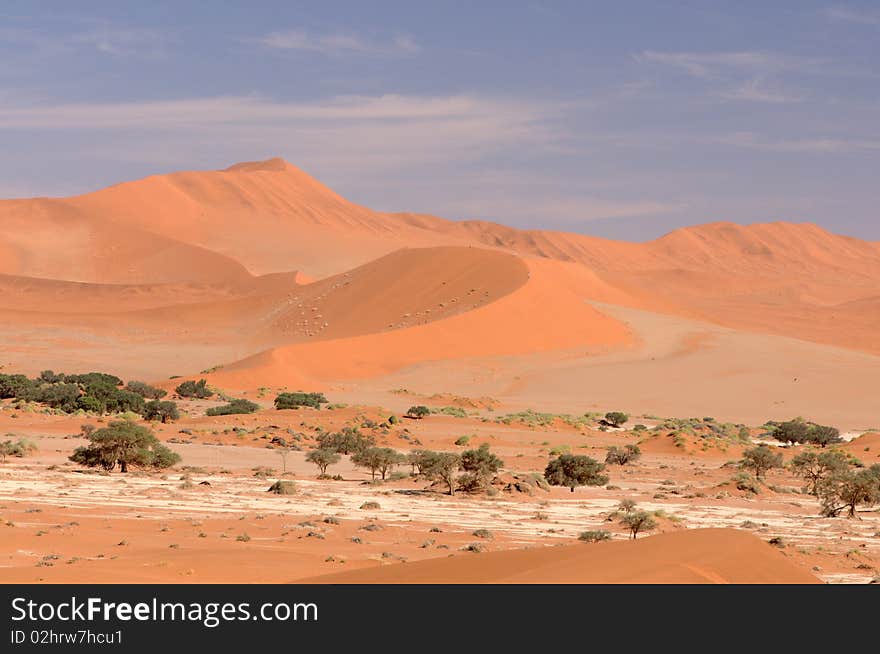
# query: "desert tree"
{"points": [[616, 418], [623, 455], [814, 467], [323, 458], [124, 443], [145, 390], [377, 459], [442, 466], [761, 459], [162, 410], [480, 466], [847, 490], [626, 505], [637, 521], [418, 412], [573, 470], [196, 389], [347, 441]]}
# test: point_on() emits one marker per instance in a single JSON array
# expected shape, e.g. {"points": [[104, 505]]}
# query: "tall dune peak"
{"points": [[274, 164]]}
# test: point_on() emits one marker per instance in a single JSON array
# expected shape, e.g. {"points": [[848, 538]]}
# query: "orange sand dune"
{"points": [[688, 556], [546, 313], [205, 259]]}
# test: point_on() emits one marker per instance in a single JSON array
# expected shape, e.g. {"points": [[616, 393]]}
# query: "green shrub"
{"points": [[145, 390], [195, 389], [623, 455], [162, 410], [238, 406], [298, 399], [283, 487], [594, 536], [418, 412]]}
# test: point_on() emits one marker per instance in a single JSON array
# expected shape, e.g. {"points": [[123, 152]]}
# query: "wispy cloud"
{"points": [[755, 90], [803, 145], [711, 64], [849, 15], [104, 38], [338, 44]]}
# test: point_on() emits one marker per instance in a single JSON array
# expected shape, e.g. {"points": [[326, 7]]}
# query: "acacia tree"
{"points": [[418, 412], [761, 459], [162, 410], [481, 465], [574, 470], [616, 418], [637, 521], [126, 444], [815, 467], [323, 458], [441, 466], [377, 459], [623, 455], [847, 490]]}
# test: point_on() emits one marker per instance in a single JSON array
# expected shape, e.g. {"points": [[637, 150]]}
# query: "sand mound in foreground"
{"points": [[688, 556]]}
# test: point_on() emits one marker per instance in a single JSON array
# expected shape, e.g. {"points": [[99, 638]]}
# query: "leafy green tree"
{"points": [[616, 418], [814, 467], [124, 443], [573, 470], [323, 459], [92, 377], [145, 390], [442, 466], [237, 406], [418, 412], [849, 489], [799, 431], [623, 455], [58, 396], [637, 521], [347, 441], [196, 389], [15, 386], [298, 399], [480, 466], [162, 410], [377, 459], [761, 459]]}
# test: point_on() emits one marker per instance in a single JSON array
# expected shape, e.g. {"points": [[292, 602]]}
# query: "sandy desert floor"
{"points": [[63, 524]]}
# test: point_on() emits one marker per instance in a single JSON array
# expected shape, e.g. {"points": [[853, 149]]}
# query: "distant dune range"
{"points": [[262, 270]]}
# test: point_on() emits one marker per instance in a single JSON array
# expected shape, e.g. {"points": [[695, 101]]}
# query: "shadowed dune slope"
{"points": [[688, 556], [547, 312]]}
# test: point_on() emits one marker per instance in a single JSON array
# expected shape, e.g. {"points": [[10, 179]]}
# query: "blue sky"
{"points": [[623, 119]]}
